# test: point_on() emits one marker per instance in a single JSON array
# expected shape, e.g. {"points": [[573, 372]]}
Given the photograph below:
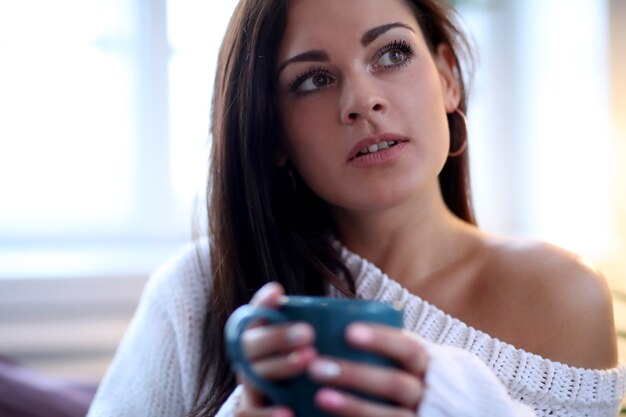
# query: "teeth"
{"points": [[377, 147]]}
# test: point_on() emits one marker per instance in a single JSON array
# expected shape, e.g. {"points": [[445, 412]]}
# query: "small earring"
{"points": [[463, 147]]}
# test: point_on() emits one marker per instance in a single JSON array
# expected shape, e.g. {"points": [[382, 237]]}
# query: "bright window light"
{"points": [[66, 147]]}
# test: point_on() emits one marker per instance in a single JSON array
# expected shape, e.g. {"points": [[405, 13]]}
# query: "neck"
{"points": [[409, 242]]}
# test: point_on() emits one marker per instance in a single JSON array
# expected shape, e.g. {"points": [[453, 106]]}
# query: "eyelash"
{"points": [[401, 45], [297, 82]]}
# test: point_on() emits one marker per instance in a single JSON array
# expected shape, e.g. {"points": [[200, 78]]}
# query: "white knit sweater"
{"points": [[155, 370]]}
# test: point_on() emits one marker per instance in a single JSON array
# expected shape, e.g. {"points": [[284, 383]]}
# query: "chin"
{"points": [[374, 199]]}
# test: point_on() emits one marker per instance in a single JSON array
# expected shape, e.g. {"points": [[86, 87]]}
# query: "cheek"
{"points": [[308, 130], [427, 112], [305, 117], [311, 144], [424, 93]]}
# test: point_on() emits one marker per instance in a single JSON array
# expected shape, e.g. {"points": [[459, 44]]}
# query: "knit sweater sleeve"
{"points": [[460, 384], [228, 408], [155, 369]]}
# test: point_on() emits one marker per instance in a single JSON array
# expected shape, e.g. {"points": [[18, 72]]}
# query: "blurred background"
{"points": [[104, 109]]}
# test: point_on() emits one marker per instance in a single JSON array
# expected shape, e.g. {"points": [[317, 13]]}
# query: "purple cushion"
{"points": [[27, 393]]}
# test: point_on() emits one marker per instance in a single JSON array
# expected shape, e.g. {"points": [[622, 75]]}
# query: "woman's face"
{"points": [[363, 101]]}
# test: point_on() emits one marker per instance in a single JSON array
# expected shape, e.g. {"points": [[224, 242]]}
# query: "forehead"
{"points": [[311, 23]]}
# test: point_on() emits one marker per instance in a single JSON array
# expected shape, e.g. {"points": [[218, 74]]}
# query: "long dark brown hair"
{"points": [[265, 224]]}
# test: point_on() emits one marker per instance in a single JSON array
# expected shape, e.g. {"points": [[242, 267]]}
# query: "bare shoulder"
{"points": [[560, 302]]}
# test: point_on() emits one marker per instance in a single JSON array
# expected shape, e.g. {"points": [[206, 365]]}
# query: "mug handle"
{"points": [[235, 326]]}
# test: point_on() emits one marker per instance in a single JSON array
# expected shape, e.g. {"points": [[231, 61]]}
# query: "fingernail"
{"points": [[294, 357], [302, 356], [330, 399], [325, 369], [265, 291], [360, 333], [281, 412], [298, 333]]}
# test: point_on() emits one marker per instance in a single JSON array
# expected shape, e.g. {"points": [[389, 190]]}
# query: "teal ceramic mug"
{"points": [[329, 318]]}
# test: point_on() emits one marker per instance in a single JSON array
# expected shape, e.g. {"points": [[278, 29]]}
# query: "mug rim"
{"points": [[299, 301]]}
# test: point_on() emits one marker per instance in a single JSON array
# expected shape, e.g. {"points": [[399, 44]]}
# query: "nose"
{"points": [[361, 100]]}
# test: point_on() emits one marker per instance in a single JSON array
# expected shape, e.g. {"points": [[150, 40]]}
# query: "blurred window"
{"points": [[105, 107]]}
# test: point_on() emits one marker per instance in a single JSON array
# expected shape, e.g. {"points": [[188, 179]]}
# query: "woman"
{"points": [[339, 152]]}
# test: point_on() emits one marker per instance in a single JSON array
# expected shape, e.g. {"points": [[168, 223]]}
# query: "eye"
{"points": [[311, 81], [395, 54], [315, 82], [393, 57]]}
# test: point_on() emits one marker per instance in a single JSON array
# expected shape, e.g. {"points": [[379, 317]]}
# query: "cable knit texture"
{"points": [[460, 384], [155, 370]]}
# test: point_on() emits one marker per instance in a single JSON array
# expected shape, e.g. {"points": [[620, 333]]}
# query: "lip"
{"points": [[372, 140]]}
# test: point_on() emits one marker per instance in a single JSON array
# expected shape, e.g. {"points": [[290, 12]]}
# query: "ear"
{"points": [[447, 67]]}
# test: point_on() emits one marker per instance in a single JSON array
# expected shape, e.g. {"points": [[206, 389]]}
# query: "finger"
{"points": [[342, 404], [253, 403], [399, 345], [263, 341], [386, 383], [285, 366], [268, 295], [251, 395]]}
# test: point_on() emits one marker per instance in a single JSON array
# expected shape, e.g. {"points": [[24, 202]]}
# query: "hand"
{"points": [[275, 352], [403, 387]]}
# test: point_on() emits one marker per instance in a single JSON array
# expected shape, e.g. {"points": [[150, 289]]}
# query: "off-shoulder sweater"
{"points": [[550, 388], [155, 369]]}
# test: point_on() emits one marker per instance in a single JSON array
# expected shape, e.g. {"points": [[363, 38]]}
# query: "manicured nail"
{"points": [[294, 357], [265, 291], [330, 398], [301, 356], [281, 412], [360, 334], [298, 333], [324, 369]]}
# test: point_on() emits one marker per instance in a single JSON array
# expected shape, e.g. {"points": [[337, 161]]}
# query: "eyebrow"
{"points": [[321, 56], [371, 35], [309, 56]]}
